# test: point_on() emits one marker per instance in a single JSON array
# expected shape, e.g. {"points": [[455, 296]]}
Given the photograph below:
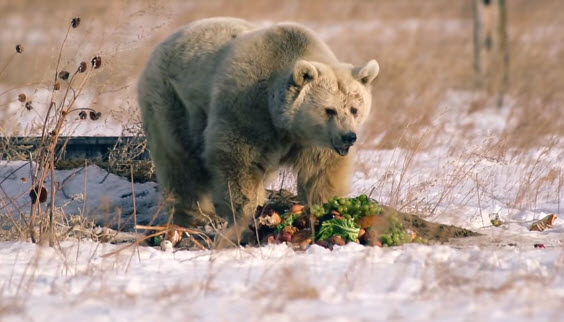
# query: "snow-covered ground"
{"points": [[89, 191], [352, 283], [497, 276], [464, 178]]}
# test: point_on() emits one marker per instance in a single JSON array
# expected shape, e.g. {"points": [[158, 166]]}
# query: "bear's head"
{"points": [[325, 104]]}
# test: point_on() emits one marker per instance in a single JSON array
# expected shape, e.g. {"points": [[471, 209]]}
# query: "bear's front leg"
{"points": [[237, 186], [322, 174]]}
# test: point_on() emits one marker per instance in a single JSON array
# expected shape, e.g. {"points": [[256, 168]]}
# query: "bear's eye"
{"points": [[354, 111], [331, 111]]}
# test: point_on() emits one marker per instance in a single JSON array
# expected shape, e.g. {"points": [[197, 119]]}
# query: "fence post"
{"points": [[503, 51], [491, 50], [477, 46]]}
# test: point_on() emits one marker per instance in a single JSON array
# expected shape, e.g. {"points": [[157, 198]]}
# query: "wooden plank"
{"points": [[79, 147]]}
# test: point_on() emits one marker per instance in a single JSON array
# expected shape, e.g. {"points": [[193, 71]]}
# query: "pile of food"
{"points": [[337, 222]]}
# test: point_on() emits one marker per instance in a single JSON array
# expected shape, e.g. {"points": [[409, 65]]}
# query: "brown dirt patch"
{"points": [[429, 230]]}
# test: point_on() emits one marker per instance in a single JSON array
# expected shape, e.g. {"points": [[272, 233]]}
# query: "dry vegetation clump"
{"points": [[65, 90], [128, 157], [65, 226]]}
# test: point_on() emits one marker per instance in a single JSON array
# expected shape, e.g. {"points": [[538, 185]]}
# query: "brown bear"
{"points": [[225, 104]]}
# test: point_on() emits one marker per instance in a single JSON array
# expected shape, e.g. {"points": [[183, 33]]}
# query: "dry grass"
{"points": [[425, 49]]}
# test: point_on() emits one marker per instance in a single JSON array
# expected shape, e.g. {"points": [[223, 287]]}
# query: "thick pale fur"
{"points": [[225, 104]]}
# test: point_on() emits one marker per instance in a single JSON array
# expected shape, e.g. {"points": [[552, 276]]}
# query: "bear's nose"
{"points": [[349, 138]]}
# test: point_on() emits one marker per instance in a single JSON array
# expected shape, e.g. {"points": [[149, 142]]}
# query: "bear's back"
{"points": [[191, 54], [273, 49]]}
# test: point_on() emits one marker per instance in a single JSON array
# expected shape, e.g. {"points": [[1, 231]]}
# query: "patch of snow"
{"points": [[89, 191], [412, 282]]}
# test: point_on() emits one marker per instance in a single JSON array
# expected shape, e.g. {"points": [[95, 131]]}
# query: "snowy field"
{"points": [[460, 166], [352, 283]]}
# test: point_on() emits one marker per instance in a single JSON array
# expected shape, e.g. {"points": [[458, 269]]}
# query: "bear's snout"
{"points": [[348, 138]]}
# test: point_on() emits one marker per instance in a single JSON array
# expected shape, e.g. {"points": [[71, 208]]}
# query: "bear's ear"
{"points": [[304, 72], [367, 73]]}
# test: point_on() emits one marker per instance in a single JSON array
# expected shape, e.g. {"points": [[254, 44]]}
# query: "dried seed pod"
{"points": [[75, 22], [95, 115], [43, 195], [64, 75], [19, 49], [22, 98], [57, 86], [34, 194], [96, 62], [82, 67], [28, 106], [82, 115]]}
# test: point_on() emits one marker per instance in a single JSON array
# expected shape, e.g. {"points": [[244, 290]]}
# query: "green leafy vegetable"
{"points": [[345, 228]]}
